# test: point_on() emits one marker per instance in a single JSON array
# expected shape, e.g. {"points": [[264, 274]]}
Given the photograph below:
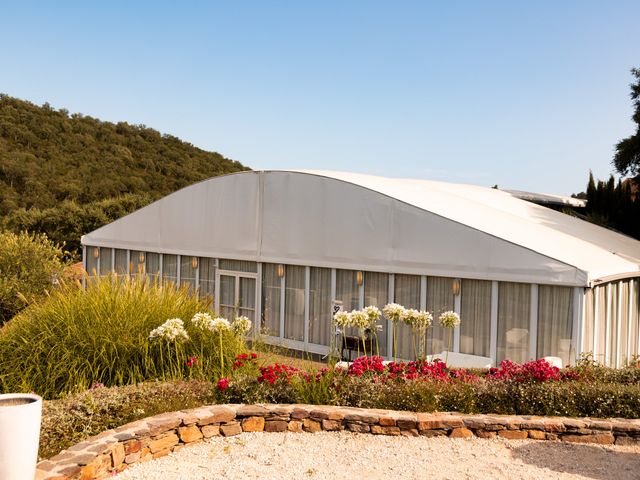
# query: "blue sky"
{"points": [[526, 95]]}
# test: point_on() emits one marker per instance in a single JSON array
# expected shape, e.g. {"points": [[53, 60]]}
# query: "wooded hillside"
{"points": [[65, 175]]}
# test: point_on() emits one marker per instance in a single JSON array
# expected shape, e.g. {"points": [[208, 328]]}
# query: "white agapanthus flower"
{"points": [[411, 317], [202, 320], [424, 319], [342, 319], [172, 329], [449, 319], [220, 324], [394, 312], [373, 313], [241, 325], [359, 319]]}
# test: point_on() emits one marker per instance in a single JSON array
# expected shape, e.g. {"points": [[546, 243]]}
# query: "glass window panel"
{"points": [[600, 313], [294, 281], [188, 272], [137, 262], [555, 321], [121, 263], [238, 265], [320, 306], [247, 300], [635, 306], [624, 352], [92, 256], [376, 293], [170, 268], [587, 340], [613, 328], [228, 296], [347, 289], [105, 261], [514, 310], [440, 299], [407, 293], [153, 264], [271, 285], [475, 317], [207, 278]]}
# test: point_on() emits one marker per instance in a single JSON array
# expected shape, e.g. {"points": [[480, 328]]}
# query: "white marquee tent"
{"points": [[283, 245]]}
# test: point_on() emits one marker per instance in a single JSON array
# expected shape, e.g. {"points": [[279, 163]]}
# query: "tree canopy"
{"points": [[65, 175], [627, 156]]}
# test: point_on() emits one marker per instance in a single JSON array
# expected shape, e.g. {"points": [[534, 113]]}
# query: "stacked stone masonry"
{"points": [[154, 437]]}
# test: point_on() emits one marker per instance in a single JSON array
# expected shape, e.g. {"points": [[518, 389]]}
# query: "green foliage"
{"points": [[627, 156], [29, 266], [77, 338], [49, 159], [70, 420], [612, 205]]}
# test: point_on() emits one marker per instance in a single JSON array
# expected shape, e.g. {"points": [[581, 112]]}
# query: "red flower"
{"points": [[191, 361], [223, 384]]}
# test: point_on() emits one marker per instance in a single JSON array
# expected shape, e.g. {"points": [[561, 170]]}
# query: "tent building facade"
{"points": [[281, 247]]}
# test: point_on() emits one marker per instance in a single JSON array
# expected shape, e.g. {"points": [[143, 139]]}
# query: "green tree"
{"points": [[30, 266], [627, 156]]}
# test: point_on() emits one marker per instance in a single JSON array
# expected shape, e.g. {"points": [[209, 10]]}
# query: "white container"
{"points": [[20, 415]]}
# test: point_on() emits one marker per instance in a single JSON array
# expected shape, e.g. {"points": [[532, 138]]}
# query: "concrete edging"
{"points": [[114, 450]]}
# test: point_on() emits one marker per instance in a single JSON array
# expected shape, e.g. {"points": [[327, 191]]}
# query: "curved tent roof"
{"points": [[356, 221]]}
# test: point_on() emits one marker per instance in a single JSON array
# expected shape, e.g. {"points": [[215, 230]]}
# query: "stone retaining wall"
{"points": [[154, 437]]}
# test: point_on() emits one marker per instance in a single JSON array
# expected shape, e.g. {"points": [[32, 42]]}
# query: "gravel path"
{"points": [[345, 455]]}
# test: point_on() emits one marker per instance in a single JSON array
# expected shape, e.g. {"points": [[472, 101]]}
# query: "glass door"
{"points": [[237, 296], [227, 296]]}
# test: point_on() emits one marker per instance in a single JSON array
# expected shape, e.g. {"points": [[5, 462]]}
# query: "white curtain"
{"points": [[514, 311], [207, 278], [475, 317], [600, 314], [227, 307], [440, 299], [624, 354], [122, 268], [105, 261], [270, 323], [169, 268], [187, 272], [555, 321], [294, 302], [613, 329], [153, 264], [406, 292], [92, 260], [247, 298], [589, 321], [635, 306], [320, 306], [347, 289], [238, 265], [376, 293]]}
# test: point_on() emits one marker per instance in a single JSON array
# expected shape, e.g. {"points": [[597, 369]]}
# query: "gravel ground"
{"points": [[345, 455]]}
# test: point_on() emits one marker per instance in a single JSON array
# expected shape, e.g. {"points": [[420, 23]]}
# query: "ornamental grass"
{"points": [[77, 338]]}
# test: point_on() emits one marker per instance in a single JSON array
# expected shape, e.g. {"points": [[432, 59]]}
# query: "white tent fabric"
{"points": [[356, 221]]}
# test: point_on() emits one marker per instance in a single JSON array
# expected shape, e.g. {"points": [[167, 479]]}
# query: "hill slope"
{"points": [[65, 175]]}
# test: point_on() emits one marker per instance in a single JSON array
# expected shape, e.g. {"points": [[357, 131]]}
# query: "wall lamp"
{"points": [[141, 257], [194, 262], [359, 277], [280, 271], [455, 286], [96, 252]]}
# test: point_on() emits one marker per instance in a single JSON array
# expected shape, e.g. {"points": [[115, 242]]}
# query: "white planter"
{"points": [[20, 415]]}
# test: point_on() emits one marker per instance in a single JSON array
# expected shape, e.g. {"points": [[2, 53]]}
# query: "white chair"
{"points": [[554, 361]]}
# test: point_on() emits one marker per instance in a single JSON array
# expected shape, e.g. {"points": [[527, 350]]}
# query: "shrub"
{"points": [[76, 338], [29, 266], [71, 419]]}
